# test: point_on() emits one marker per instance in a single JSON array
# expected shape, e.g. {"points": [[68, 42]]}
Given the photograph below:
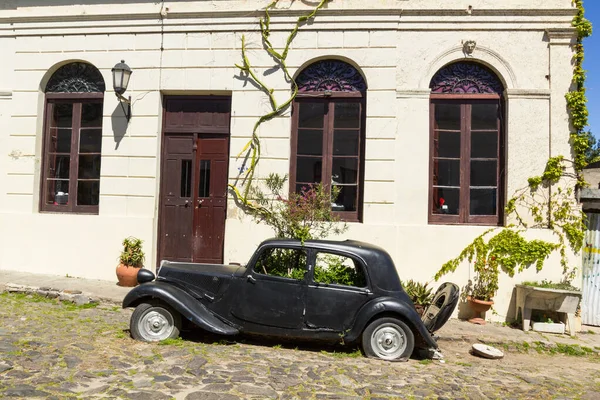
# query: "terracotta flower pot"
{"points": [[127, 275], [479, 307]]}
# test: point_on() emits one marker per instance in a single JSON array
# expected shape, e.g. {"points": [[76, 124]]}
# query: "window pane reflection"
{"points": [[484, 116], [346, 143], [88, 193], [309, 169], [345, 170], [447, 144], [311, 115], [347, 115], [447, 116], [483, 201], [310, 142], [446, 201]]}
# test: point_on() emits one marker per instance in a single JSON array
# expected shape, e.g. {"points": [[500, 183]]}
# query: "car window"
{"points": [[288, 263], [337, 269]]}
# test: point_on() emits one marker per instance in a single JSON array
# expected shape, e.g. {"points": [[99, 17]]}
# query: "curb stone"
{"points": [[73, 296]]}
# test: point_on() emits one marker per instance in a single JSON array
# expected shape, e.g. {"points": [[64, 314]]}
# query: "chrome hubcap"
{"points": [[388, 341], [155, 325]]}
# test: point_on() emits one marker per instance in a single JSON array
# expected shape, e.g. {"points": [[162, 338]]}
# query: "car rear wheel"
{"points": [[389, 339], [152, 322]]}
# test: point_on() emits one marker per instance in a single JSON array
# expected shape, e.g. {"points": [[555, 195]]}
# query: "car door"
{"points": [[274, 289], [338, 287]]}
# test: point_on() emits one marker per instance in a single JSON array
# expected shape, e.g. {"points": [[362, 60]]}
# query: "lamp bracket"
{"points": [[123, 100]]}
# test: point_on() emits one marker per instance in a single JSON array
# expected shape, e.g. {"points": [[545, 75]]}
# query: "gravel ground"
{"points": [[50, 349]]}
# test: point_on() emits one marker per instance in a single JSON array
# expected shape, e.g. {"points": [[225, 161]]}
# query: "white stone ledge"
{"points": [[527, 94], [413, 93]]}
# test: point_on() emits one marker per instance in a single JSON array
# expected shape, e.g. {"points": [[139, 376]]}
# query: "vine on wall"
{"points": [[547, 204], [251, 151]]}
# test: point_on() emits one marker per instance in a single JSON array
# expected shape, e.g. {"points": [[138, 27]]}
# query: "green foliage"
{"points": [[576, 100], [306, 215], [506, 251], [331, 269], [419, 293], [132, 254], [546, 284], [251, 150], [555, 208], [288, 263]]}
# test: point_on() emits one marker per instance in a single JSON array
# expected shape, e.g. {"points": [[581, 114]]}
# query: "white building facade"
{"points": [[427, 114]]}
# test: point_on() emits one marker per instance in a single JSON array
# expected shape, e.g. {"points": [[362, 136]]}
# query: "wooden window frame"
{"points": [[330, 100], [464, 218], [77, 99]]}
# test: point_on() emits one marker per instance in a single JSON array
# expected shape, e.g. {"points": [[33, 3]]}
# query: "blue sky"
{"points": [[592, 65]]}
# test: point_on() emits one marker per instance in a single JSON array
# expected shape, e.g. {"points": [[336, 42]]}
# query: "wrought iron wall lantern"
{"points": [[121, 74]]}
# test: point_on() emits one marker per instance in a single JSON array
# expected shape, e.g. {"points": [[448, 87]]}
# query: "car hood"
{"points": [[169, 268], [209, 279]]}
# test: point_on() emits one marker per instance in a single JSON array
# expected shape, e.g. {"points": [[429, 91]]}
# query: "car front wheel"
{"points": [[152, 322], [389, 339]]}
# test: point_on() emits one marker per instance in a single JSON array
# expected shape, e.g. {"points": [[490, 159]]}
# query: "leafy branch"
{"points": [[252, 150]]}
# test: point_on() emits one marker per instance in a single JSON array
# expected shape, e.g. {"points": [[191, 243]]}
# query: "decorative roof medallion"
{"points": [[76, 77], [330, 75], [466, 77]]}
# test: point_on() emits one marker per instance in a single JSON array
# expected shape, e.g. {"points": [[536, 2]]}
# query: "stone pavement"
{"points": [[58, 350], [110, 292]]}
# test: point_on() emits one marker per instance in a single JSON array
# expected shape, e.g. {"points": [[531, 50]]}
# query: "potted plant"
{"points": [[479, 291], [131, 261], [419, 293]]}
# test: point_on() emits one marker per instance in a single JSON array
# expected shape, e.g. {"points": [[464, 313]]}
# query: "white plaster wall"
{"points": [[398, 52]]}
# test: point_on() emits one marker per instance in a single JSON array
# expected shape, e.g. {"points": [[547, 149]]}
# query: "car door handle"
{"points": [[251, 279], [365, 292]]}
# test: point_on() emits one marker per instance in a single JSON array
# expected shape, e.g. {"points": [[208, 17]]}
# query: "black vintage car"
{"points": [[314, 290]]}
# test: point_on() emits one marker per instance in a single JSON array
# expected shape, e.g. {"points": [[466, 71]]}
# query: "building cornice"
{"points": [[290, 13], [561, 36]]}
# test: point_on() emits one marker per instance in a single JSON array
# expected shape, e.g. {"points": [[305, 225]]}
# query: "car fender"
{"points": [[389, 305], [182, 302]]}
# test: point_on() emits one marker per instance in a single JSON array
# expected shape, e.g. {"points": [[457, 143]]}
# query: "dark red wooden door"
{"points": [[193, 202], [210, 199]]}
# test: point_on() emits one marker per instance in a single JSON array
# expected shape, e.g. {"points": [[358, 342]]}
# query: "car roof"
{"points": [[354, 246], [380, 264]]}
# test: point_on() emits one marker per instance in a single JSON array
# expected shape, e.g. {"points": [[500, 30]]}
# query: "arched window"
{"points": [[328, 135], [73, 140], [466, 146]]}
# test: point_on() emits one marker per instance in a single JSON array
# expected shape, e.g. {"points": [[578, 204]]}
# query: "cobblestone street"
{"points": [[58, 350]]}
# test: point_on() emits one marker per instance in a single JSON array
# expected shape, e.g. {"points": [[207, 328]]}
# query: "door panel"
{"points": [[177, 211], [211, 199], [193, 198], [271, 301]]}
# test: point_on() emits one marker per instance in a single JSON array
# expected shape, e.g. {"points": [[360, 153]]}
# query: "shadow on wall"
{"points": [[119, 125]]}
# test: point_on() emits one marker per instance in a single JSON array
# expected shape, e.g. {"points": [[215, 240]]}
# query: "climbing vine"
{"points": [[251, 151], [546, 203]]}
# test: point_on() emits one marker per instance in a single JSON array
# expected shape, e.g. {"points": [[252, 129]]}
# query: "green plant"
{"points": [[132, 254], [306, 215], [546, 284], [419, 293], [549, 200], [331, 269], [252, 149]]}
